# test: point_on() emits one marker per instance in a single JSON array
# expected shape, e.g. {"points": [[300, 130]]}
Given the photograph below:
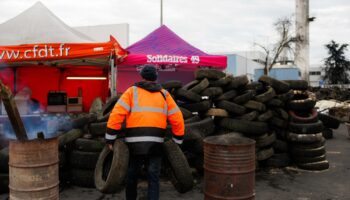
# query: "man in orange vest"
{"points": [[146, 107]]}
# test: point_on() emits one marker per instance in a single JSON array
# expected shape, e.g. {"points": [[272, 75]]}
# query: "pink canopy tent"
{"points": [[175, 58]]}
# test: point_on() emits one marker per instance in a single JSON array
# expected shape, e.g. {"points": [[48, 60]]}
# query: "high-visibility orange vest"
{"points": [[146, 115]]}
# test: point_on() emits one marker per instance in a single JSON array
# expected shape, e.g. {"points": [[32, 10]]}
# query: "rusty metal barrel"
{"points": [[229, 168], [33, 169]]}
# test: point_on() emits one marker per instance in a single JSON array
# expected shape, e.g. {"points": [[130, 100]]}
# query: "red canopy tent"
{"points": [[175, 58], [45, 67], [39, 51]]}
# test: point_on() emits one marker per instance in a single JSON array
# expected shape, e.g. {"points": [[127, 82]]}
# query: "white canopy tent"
{"points": [[38, 25]]}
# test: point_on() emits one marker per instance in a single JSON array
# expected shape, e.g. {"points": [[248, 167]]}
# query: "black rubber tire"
{"points": [[255, 105], [193, 119], [82, 121], [281, 113], [186, 113], [308, 152], [108, 107], [316, 166], [82, 178], [217, 112], [329, 121], [212, 92], [244, 98], [313, 145], [231, 107], [278, 161], [265, 140], [275, 103], [190, 85], [212, 74], [266, 116], [264, 154], [172, 84], [278, 122], [311, 128], [304, 138], [198, 107], [181, 178], [4, 183], [227, 95], [285, 97], [98, 129], [327, 133], [187, 95], [297, 84], [256, 86], [302, 100], [304, 160], [251, 116], [219, 83], [201, 86], [69, 137], [88, 145], [83, 160], [279, 86], [280, 146], [205, 127], [304, 117], [246, 127], [237, 82], [111, 168], [266, 96]]}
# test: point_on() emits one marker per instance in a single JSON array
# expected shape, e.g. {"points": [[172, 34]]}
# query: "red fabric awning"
{"points": [[59, 51]]}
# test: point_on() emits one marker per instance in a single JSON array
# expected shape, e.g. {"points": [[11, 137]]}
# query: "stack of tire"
{"points": [[4, 170], [274, 94], [82, 161], [258, 112], [306, 142], [330, 123], [81, 146]]}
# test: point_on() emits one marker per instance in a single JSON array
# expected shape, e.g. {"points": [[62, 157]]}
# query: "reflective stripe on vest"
{"points": [[144, 139], [137, 108], [124, 105]]}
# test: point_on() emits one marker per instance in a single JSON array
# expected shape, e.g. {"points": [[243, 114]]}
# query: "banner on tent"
{"points": [[155, 59], [58, 51]]}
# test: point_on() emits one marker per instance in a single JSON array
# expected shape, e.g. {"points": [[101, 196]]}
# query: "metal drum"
{"points": [[34, 169], [229, 167]]}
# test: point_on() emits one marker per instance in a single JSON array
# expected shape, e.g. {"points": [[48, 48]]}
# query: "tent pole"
{"points": [[113, 78]]}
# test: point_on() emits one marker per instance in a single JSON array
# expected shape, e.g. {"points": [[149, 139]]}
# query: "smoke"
{"points": [[50, 124]]}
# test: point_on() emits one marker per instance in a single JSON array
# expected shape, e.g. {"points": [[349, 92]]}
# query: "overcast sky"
{"points": [[211, 25]]}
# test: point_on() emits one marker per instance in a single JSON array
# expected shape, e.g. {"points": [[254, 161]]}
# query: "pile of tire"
{"points": [[306, 141], [263, 117], [80, 147]]}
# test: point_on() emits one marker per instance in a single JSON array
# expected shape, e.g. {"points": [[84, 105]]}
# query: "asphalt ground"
{"points": [[271, 184]]}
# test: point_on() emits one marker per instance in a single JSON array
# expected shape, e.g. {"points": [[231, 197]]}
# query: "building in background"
{"points": [[243, 62], [316, 73]]}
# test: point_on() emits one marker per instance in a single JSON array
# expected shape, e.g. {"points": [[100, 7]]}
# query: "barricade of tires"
{"points": [[307, 144], [270, 111]]}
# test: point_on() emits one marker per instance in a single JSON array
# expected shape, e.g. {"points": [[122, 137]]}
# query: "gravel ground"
{"points": [[287, 184]]}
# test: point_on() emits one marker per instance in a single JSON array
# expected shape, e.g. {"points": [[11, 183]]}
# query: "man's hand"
{"points": [[110, 147]]}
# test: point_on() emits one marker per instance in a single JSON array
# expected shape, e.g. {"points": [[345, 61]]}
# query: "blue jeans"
{"points": [[153, 170]]}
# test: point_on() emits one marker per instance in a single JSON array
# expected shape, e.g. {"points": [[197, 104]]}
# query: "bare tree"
{"points": [[285, 42]]}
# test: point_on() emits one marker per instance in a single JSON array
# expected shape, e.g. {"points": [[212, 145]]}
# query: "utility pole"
{"points": [[302, 32], [161, 12]]}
